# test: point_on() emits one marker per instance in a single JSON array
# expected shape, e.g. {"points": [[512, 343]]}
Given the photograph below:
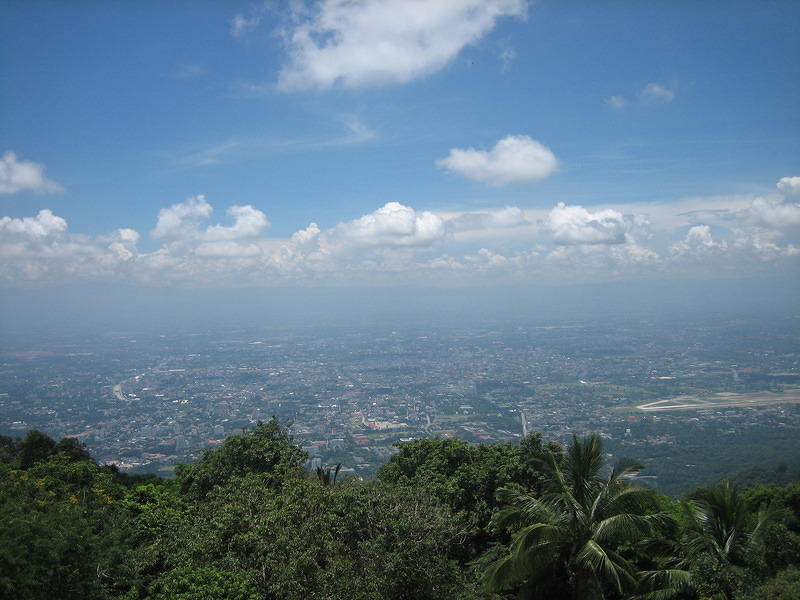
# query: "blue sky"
{"points": [[448, 142]]}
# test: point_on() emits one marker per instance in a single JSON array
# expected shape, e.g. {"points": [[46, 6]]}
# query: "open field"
{"points": [[722, 400]]}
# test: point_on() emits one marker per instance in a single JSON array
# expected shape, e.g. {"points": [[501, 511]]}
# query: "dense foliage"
{"points": [[443, 519]]}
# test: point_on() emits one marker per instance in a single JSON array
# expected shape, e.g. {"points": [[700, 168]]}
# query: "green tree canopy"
{"points": [[466, 477], [268, 449]]}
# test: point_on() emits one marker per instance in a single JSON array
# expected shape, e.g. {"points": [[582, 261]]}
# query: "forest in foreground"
{"points": [[443, 519]]}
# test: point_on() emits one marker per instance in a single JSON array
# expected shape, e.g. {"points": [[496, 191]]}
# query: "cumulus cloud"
{"points": [[514, 159], [789, 186], [42, 225], [655, 92], [249, 222], [393, 225], [369, 43], [586, 261], [125, 236], [122, 243], [41, 249], [182, 228], [771, 212], [18, 175], [490, 260], [698, 242], [398, 243], [577, 225], [181, 219], [762, 243], [307, 235]]}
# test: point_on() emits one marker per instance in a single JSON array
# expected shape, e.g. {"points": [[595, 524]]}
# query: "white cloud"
{"points": [[243, 24], [304, 236], [398, 244], [128, 235], [617, 102], [228, 249], [41, 249], [124, 236], [585, 261], [393, 225], [771, 212], [249, 222], [698, 242], [655, 92], [576, 225], [652, 93], [488, 259], [514, 159], [789, 186], [180, 219], [42, 225], [181, 228], [374, 42], [17, 175]]}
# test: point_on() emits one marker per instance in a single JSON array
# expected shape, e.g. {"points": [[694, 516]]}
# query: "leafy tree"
{"points": [[35, 446], [784, 586], [351, 541], [72, 448], [61, 535], [153, 513], [466, 477], [266, 449], [569, 539], [8, 449], [786, 497], [203, 583]]}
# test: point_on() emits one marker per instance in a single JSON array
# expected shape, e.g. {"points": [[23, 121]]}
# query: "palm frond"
{"points": [[533, 550], [664, 584], [629, 498], [533, 537], [766, 516], [604, 564], [626, 469], [500, 574], [554, 476], [623, 527], [523, 509], [584, 461]]}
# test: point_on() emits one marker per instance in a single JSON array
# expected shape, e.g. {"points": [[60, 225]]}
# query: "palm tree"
{"points": [[722, 525], [572, 532], [724, 538]]}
